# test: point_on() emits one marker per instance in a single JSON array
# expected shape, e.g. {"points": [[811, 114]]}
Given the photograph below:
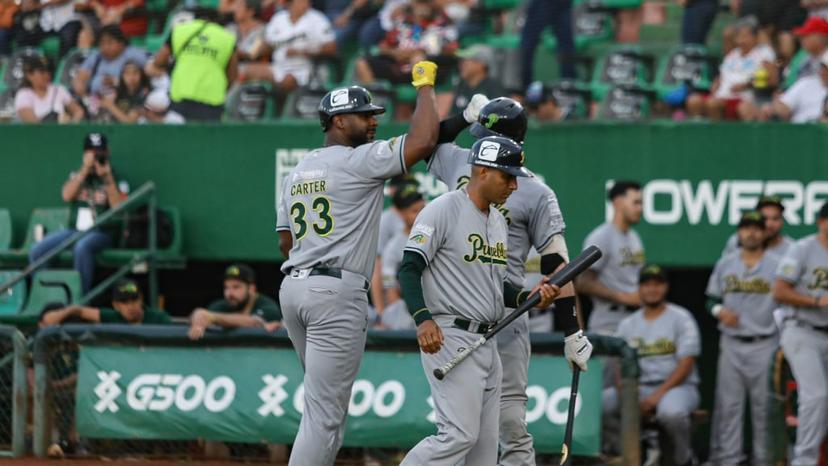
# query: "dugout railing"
{"points": [[57, 403], [14, 393], [145, 195]]}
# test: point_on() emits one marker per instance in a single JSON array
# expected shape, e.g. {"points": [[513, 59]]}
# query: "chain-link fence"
{"points": [[59, 365], [13, 391]]}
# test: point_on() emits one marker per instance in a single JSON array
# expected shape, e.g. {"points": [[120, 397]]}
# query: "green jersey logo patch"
{"points": [[485, 253]]}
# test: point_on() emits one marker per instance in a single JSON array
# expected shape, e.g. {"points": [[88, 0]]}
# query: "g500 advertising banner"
{"points": [[256, 394]]}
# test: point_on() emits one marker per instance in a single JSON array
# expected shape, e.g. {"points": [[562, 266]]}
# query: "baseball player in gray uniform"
{"points": [[327, 219], [612, 281], [802, 283], [667, 339], [771, 208], [534, 220], [453, 278], [740, 296]]}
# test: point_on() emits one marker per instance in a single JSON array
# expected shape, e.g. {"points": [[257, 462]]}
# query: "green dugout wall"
{"points": [[697, 177]]}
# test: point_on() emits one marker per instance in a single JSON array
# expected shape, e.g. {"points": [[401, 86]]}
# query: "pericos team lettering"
{"points": [[485, 253]]}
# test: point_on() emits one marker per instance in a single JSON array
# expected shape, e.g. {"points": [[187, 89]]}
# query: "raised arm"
{"points": [[425, 123]]}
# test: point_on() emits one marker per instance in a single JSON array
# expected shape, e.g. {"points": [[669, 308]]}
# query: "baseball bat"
{"points": [[566, 460], [559, 278]]}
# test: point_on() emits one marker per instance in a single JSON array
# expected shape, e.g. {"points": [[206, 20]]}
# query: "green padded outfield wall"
{"points": [[697, 177]]}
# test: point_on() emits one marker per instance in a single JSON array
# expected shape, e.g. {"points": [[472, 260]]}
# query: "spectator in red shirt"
{"points": [[7, 10], [423, 33], [125, 13]]}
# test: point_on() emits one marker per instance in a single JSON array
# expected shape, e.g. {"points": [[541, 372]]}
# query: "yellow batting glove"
{"points": [[424, 73]]}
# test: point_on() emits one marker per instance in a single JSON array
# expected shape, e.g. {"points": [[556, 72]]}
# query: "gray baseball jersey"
{"points": [[331, 203], [747, 292], [662, 342], [465, 251], [532, 211], [391, 224], [780, 249], [806, 267], [617, 269], [392, 254]]}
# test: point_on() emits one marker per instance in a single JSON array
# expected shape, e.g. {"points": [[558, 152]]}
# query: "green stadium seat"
{"points": [[621, 65], [5, 230], [302, 104], [591, 25], [69, 66], [169, 257], [51, 286], [250, 101], [13, 71], [12, 300], [686, 65], [574, 98], [7, 111], [50, 219], [50, 46], [627, 102]]}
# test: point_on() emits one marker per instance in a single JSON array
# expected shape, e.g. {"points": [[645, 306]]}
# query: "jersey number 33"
{"points": [[323, 226]]}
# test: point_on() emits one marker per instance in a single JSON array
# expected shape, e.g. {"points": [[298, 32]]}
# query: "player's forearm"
{"points": [[451, 127], [785, 293], [588, 283], [410, 277], [679, 375], [425, 126], [235, 320], [513, 296]]}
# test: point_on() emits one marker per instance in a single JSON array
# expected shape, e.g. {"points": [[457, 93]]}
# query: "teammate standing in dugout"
{"points": [[534, 219], [453, 277], [328, 221]]}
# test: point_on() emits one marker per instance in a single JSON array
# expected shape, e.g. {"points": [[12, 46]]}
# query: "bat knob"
{"points": [[439, 374]]}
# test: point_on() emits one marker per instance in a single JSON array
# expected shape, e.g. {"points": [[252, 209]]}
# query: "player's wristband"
{"points": [[522, 297], [421, 316], [716, 310]]}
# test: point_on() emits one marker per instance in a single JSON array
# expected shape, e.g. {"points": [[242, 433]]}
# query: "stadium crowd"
{"points": [[109, 63]]}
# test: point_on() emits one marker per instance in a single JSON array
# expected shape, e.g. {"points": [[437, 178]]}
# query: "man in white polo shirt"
{"points": [[802, 102]]}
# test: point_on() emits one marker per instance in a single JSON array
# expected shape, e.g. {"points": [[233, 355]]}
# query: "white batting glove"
{"points": [[472, 111], [577, 349]]}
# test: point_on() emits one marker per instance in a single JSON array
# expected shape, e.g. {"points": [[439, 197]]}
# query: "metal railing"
{"points": [[14, 393], [145, 195]]}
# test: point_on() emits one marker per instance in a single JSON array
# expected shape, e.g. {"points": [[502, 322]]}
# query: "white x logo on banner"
{"points": [[272, 395], [107, 391]]}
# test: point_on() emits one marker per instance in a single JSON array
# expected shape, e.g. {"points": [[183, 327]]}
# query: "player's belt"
{"points": [[621, 307], [334, 272], [798, 323], [751, 338], [472, 326]]}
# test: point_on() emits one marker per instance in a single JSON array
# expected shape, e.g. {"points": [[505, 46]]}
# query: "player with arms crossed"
{"points": [[453, 278], [534, 220], [328, 221]]}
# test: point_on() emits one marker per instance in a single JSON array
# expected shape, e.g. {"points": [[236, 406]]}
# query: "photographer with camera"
{"points": [[90, 191]]}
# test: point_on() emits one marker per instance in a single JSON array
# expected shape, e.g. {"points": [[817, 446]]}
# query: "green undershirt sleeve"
{"points": [[513, 296], [712, 301], [410, 278]]}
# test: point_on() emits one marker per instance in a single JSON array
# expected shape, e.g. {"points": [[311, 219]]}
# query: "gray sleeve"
{"points": [[688, 341], [623, 330], [429, 231], [731, 245], [790, 267], [445, 161], [379, 160], [714, 284], [546, 220], [598, 238], [282, 219], [391, 259]]}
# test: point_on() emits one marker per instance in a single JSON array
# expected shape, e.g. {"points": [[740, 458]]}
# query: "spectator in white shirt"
{"points": [[731, 95], [804, 101], [39, 101], [295, 35]]}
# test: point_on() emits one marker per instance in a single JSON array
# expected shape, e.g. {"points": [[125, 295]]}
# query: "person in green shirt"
{"points": [[89, 191], [242, 306], [127, 308]]}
